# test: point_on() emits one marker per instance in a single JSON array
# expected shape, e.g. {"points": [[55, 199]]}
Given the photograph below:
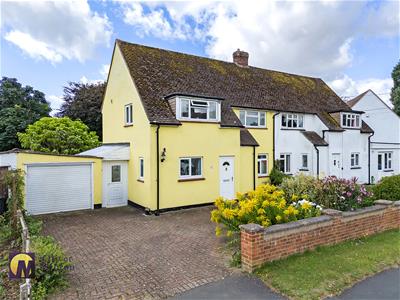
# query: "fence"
{"points": [[259, 244], [25, 288]]}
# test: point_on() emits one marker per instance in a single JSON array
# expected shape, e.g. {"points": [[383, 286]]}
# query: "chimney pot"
{"points": [[241, 58]]}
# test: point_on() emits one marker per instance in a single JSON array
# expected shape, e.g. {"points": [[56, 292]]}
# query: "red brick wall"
{"points": [[259, 244]]}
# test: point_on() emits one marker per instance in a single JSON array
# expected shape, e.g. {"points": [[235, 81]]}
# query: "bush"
{"points": [[341, 194], [51, 266], [300, 185], [388, 188], [265, 206], [276, 176]]}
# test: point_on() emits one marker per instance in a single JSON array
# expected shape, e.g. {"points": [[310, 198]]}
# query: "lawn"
{"points": [[329, 270]]}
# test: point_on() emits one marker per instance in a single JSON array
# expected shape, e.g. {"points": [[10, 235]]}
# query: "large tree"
{"points": [[19, 107], [83, 102], [58, 136], [395, 94]]}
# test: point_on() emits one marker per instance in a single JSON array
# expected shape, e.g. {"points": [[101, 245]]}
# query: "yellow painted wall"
{"points": [[28, 158], [121, 91]]}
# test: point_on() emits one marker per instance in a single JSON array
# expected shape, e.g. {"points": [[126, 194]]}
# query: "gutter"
{"points": [[369, 157], [158, 169], [254, 167], [317, 150], [273, 138]]}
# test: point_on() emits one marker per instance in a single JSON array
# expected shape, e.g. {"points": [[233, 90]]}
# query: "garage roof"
{"points": [[118, 151]]}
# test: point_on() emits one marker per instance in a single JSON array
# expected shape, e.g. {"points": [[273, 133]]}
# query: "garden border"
{"points": [[260, 244]]}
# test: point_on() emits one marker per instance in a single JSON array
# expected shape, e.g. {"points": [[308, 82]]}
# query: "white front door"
{"points": [[336, 165], [115, 178], [226, 175]]}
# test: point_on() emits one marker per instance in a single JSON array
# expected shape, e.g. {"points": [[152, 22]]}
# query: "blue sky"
{"points": [[353, 46]]}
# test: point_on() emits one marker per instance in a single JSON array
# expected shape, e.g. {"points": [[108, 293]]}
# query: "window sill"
{"points": [[128, 125], [304, 170], [298, 129], [255, 127], [141, 180], [263, 176], [387, 171], [198, 121], [191, 179], [355, 168]]}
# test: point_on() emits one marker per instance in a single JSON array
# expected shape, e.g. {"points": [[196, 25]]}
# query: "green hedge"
{"points": [[388, 188]]}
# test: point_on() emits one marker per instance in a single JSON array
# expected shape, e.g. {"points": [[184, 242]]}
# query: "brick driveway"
{"points": [[120, 253]]}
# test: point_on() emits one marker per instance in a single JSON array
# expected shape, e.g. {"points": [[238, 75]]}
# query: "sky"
{"points": [[352, 45]]}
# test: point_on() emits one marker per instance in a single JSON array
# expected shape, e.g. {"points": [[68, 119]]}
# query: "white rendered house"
{"points": [[385, 143]]}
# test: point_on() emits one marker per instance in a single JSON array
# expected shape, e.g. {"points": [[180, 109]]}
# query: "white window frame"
{"points": [[291, 118], [141, 168], [190, 176], [128, 114], [261, 160], [350, 120], [386, 161], [192, 103], [243, 114], [283, 158], [355, 160], [303, 167]]}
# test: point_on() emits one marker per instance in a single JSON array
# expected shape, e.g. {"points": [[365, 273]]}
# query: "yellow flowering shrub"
{"points": [[266, 205]]}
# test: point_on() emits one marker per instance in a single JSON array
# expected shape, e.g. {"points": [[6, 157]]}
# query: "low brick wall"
{"points": [[259, 244]]}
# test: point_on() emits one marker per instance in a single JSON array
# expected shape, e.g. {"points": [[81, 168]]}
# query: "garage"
{"points": [[58, 187]]}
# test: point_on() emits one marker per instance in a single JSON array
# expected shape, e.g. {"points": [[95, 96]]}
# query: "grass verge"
{"points": [[329, 270]]}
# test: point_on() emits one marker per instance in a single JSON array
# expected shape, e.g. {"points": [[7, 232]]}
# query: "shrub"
{"points": [[51, 266], [300, 185], [276, 176], [388, 188], [265, 206], [341, 194]]}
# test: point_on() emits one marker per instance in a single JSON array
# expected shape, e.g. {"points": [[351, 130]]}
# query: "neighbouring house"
{"points": [[385, 143], [180, 130]]}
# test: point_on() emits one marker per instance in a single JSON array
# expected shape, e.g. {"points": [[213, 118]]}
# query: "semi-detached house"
{"points": [[197, 128]]}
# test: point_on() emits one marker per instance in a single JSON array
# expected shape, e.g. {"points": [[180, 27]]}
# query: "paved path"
{"points": [[235, 287], [385, 285], [119, 253]]}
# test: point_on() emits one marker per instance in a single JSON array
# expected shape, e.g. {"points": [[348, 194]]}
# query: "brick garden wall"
{"points": [[259, 244]]}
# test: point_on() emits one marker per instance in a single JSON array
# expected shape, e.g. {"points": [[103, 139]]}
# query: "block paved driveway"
{"points": [[119, 253]]}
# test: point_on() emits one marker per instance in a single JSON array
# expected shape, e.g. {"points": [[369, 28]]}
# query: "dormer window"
{"points": [[198, 110], [292, 121], [251, 118], [350, 120]]}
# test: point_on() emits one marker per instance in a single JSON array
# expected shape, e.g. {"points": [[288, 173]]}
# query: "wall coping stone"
{"points": [[251, 228], [331, 212], [397, 203], [383, 202], [364, 210], [296, 224]]}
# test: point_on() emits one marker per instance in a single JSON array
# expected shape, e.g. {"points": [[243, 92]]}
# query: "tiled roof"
{"points": [[314, 138], [365, 128], [246, 139], [158, 73]]}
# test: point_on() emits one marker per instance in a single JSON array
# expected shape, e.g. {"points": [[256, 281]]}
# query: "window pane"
{"points": [[305, 160], [141, 167], [262, 118], [262, 156], [288, 163], [199, 103], [344, 122], [213, 110], [379, 161], [284, 120], [115, 173], [295, 123], [282, 165], [185, 108], [357, 158], [242, 116], [196, 166], [185, 167], [290, 123], [198, 113], [251, 121], [300, 121]]}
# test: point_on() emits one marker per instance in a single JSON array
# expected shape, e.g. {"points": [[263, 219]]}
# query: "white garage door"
{"points": [[58, 187]]}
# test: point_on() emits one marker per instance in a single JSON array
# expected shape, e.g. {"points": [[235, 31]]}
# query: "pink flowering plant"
{"points": [[341, 194]]}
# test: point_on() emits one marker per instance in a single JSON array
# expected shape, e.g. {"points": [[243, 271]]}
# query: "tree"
{"points": [[19, 107], [395, 94], [58, 136], [83, 102]]}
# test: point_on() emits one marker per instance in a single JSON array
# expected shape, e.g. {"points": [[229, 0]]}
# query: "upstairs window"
{"points": [[252, 118], [292, 121], [355, 160], [199, 110], [262, 165], [350, 120], [385, 161], [128, 114]]}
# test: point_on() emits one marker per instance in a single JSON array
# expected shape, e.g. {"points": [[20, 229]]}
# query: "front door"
{"points": [[336, 165], [226, 174], [116, 183]]}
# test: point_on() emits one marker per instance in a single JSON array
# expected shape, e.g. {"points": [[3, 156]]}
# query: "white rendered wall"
{"points": [[8, 160]]}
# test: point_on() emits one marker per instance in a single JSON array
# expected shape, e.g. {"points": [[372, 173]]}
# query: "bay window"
{"points": [[250, 118]]}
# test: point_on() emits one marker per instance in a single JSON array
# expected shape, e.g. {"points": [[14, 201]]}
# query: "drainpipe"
{"points": [[369, 157], [317, 150], [254, 167], [158, 169], [273, 138]]}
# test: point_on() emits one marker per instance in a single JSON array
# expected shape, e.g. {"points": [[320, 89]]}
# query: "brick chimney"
{"points": [[241, 58]]}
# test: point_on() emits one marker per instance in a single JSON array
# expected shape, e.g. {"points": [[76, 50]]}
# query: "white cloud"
{"points": [[55, 30], [104, 71], [85, 80], [348, 88], [55, 103]]}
